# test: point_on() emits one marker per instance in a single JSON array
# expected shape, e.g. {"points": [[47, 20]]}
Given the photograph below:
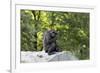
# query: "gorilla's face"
{"points": [[53, 33]]}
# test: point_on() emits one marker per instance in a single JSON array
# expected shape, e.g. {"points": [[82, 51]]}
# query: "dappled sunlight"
{"points": [[72, 29]]}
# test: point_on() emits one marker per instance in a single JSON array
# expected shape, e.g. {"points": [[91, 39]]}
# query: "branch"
{"points": [[33, 12]]}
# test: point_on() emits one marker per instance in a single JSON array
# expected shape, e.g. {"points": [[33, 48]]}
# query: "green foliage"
{"points": [[72, 27]]}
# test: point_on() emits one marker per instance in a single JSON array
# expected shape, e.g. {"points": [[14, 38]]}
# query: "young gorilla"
{"points": [[49, 42]]}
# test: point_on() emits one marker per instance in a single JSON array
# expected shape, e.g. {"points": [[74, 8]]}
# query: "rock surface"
{"points": [[32, 57]]}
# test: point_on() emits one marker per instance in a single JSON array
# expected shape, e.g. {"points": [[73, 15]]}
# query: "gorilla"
{"points": [[49, 42]]}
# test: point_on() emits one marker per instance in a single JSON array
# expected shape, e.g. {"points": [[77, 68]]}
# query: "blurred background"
{"points": [[72, 27]]}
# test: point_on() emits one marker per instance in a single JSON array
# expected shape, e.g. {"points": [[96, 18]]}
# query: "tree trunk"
{"points": [[36, 15]]}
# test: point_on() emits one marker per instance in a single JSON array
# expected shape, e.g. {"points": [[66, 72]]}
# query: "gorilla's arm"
{"points": [[49, 40]]}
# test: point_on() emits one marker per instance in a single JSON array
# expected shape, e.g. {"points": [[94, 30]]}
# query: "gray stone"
{"points": [[41, 56]]}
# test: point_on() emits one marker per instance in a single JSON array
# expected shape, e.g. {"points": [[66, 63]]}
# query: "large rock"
{"points": [[41, 56], [63, 56]]}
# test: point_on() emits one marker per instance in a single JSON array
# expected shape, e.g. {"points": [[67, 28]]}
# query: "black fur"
{"points": [[49, 42]]}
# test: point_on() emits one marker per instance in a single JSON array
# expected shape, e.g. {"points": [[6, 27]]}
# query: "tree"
{"points": [[73, 28]]}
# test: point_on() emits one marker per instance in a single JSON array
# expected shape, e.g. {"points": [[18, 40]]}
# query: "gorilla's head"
{"points": [[53, 33]]}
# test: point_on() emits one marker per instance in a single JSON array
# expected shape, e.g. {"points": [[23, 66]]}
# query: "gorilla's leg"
{"points": [[58, 49], [52, 49], [50, 52]]}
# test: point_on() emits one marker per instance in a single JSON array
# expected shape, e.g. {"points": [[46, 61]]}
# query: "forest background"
{"points": [[73, 28]]}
